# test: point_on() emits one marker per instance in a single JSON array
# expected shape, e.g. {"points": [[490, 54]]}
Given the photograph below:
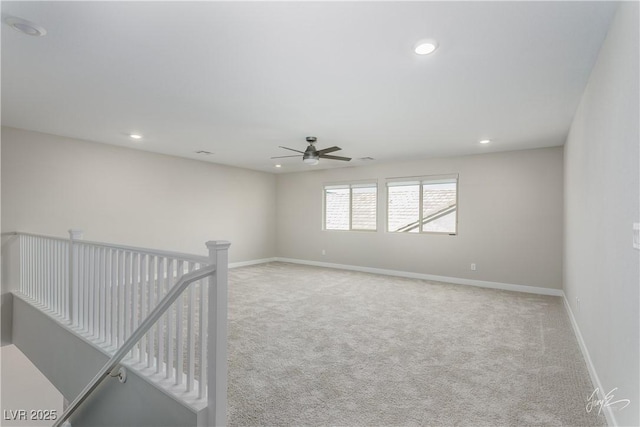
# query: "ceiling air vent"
{"points": [[204, 153], [366, 159]]}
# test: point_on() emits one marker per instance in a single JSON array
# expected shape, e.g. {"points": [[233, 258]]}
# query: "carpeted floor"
{"points": [[315, 346]]}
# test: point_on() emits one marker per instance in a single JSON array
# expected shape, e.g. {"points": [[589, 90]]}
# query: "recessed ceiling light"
{"points": [[135, 136], [278, 166], [426, 47], [25, 27], [484, 141]]}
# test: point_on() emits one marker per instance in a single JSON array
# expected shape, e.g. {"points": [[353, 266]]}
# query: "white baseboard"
{"points": [[607, 410], [251, 262], [456, 280]]}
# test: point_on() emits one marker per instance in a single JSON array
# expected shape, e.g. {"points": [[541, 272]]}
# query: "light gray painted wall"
{"points": [[132, 197], [509, 224], [602, 201]]}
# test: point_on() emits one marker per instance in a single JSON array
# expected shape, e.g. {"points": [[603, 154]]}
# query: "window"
{"points": [[350, 207], [424, 205]]}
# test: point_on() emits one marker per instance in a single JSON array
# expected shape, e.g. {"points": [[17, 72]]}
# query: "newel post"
{"points": [[73, 275], [217, 327]]}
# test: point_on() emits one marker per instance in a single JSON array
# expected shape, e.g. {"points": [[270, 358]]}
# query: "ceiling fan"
{"points": [[311, 155]]}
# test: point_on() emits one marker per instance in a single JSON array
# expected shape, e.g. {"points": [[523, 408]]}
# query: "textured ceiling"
{"points": [[241, 78]]}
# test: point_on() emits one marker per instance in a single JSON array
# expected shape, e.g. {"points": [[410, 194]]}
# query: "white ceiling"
{"points": [[241, 78]]}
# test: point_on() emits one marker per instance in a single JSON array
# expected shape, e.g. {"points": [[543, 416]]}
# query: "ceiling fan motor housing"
{"points": [[310, 153]]}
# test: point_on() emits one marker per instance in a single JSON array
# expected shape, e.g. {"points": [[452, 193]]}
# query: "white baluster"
{"points": [[60, 284], [43, 273], [191, 339], [72, 276], [126, 287], [179, 331], [160, 324], [87, 287], [114, 297], [102, 303], [170, 324], [202, 337], [143, 303], [53, 274], [152, 291], [24, 264], [108, 296], [22, 260], [39, 271], [59, 267], [95, 292], [46, 277], [81, 285], [121, 297], [135, 289], [32, 267]]}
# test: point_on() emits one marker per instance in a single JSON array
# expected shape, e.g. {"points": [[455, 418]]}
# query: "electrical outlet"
{"points": [[324, 252], [473, 266], [636, 235]]}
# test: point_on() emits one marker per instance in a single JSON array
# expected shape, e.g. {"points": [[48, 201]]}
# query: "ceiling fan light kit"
{"points": [[312, 155]]}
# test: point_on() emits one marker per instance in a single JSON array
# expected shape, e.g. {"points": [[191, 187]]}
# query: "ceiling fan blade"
{"points": [[282, 157], [291, 149], [328, 150], [324, 156]]}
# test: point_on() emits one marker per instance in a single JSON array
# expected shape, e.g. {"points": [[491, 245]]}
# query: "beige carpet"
{"points": [[314, 346]]}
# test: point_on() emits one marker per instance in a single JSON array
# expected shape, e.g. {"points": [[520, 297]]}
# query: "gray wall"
{"points": [[132, 197], [509, 220], [602, 201]]}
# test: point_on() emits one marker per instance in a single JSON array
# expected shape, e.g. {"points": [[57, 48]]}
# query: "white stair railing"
{"points": [[131, 341], [44, 272], [105, 291]]}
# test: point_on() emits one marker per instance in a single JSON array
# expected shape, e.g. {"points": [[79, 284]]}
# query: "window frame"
{"points": [[368, 183], [421, 181]]}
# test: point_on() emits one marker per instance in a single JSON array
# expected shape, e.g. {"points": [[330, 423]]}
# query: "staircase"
{"points": [[129, 336]]}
